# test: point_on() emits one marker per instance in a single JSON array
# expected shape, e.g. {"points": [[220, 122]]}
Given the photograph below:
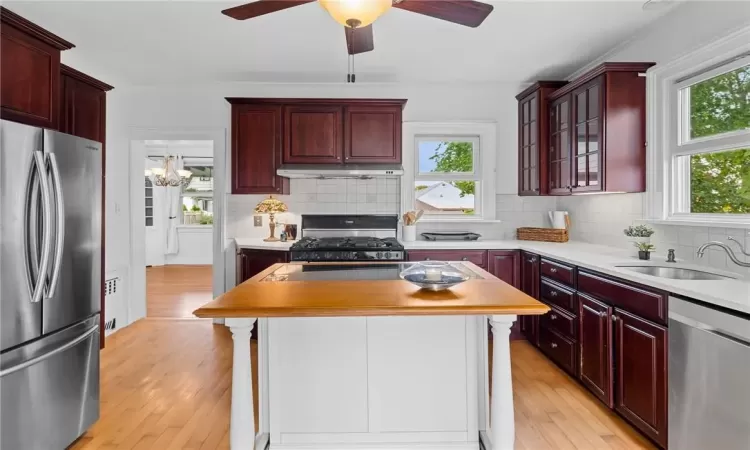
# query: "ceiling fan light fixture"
{"points": [[355, 13]]}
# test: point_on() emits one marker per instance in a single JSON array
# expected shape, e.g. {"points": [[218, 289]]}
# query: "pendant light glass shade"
{"points": [[355, 13]]}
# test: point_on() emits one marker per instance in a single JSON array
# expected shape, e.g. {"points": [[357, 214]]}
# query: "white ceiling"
{"points": [[169, 42]]}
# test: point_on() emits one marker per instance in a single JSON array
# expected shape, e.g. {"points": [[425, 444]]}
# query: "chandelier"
{"points": [[167, 175]]}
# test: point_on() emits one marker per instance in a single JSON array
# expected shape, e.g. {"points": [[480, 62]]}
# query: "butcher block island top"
{"points": [[365, 289]]}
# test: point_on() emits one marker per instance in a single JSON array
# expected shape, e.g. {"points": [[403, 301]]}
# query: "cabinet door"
{"points": [[29, 78], [595, 340], [505, 265], [530, 285], [641, 362], [313, 134], [254, 262], [559, 147], [83, 111], [256, 150], [587, 144], [528, 146], [372, 134]]}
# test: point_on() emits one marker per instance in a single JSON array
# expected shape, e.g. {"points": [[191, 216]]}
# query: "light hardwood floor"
{"points": [[166, 385], [177, 291]]}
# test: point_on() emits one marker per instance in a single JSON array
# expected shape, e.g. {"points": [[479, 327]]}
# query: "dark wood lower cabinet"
{"points": [[595, 338], [251, 262], [641, 362], [530, 286]]}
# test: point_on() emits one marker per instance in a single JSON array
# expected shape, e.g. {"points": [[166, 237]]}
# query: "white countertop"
{"points": [[260, 244], [732, 294]]}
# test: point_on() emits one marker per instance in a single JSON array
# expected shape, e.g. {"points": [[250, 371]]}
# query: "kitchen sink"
{"points": [[676, 273]]}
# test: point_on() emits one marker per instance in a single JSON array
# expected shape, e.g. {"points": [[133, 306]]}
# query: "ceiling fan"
{"points": [[357, 15]]}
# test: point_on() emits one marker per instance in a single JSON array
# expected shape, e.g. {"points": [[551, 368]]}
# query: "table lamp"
{"points": [[271, 206]]}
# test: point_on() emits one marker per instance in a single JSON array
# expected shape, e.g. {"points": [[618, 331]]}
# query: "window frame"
{"points": [[201, 195], [668, 181], [482, 135]]}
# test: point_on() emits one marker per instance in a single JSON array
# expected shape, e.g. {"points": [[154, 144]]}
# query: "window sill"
{"points": [[698, 223], [196, 228]]}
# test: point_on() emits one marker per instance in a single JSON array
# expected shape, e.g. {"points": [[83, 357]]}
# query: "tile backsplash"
{"points": [[597, 219], [600, 219], [312, 196]]}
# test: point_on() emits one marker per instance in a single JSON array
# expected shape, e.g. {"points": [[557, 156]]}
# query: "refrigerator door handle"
{"points": [[38, 290], [49, 354], [60, 235]]}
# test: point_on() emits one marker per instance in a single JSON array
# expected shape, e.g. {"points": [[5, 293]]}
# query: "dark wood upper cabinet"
{"points": [[533, 128], [313, 134], [595, 340], [505, 265], [372, 134], [269, 132], [587, 136], [83, 107], [598, 131], [558, 153], [29, 71], [530, 280], [641, 361], [256, 149]]}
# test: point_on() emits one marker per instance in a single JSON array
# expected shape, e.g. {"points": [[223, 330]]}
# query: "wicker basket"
{"points": [[543, 234]]}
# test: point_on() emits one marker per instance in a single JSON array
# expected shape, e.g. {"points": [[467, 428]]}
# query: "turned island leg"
{"points": [[242, 419], [502, 421]]}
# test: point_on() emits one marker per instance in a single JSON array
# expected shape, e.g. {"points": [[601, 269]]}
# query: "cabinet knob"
{"points": [[553, 317], [553, 269], [464, 259], [532, 260], [614, 318], [553, 345], [553, 293], [427, 258]]}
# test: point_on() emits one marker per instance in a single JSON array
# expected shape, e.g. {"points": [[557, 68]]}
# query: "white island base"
{"points": [[368, 383]]}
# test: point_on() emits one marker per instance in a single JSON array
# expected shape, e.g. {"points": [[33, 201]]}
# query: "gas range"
{"points": [[348, 238]]}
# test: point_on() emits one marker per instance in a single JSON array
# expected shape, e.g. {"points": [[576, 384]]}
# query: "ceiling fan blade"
{"points": [[359, 40], [261, 7], [462, 12]]}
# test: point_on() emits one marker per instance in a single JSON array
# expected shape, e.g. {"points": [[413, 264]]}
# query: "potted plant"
{"points": [[639, 234], [191, 216], [644, 250]]}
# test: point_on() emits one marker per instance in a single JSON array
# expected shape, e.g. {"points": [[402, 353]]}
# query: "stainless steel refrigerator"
{"points": [[50, 286]]}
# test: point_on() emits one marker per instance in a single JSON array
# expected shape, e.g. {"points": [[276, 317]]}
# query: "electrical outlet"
{"points": [[258, 221]]}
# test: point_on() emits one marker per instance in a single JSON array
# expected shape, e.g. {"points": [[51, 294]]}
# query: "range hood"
{"points": [[322, 171]]}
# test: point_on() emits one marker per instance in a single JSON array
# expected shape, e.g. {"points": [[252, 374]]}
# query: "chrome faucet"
{"points": [[742, 247], [726, 248]]}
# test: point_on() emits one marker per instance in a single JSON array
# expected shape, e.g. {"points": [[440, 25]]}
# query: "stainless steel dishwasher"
{"points": [[709, 377]]}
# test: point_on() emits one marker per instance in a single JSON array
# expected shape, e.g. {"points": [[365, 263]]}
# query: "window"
{"points": [[149, 194], [449, 170], [699, 135], [447, 181], [197, 196], [711, 149]]}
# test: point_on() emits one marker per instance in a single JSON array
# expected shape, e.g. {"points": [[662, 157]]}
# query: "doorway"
{"points": [[178, 198]]}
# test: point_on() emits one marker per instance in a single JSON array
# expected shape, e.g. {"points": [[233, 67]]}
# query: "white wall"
{"points": [[196, 246]]}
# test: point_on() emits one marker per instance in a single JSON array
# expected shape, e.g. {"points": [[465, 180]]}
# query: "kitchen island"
{"points": [[352, 357]]}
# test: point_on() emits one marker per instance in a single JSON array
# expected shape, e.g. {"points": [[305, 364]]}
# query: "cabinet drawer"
{"points": [[559, 272], [557, 295], [561, 322], [645, 303], [478, 257], [559, 349]]}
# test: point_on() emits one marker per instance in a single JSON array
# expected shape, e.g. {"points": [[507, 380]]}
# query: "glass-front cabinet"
{"points": [[587, 113], [533, 128], [559, 148]]}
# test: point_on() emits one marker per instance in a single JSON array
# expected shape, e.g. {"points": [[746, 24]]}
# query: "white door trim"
{"points": [[137, 303]]}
